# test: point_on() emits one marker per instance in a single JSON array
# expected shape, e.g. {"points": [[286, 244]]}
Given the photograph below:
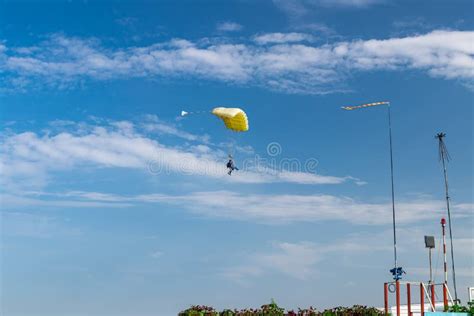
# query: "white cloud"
{"points": [[300, 260], [304, 260], [275, 209], [446, 54], [229, 27], [153, 124], [20, 224], [32, 199], [290, 67], [31, 158], [467, 272], [156, 254], [294, 8], [464, 246], [346, 3], [295, 208], [298, 8], [279, 38], [320, 28], [417, 23], [238, 274], [293, 259]]}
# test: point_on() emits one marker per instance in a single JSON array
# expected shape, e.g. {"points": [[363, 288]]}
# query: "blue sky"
{"points": [[113, 205]]}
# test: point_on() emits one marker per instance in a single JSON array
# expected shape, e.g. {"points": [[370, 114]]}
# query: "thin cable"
{"points": [[393, 189]]}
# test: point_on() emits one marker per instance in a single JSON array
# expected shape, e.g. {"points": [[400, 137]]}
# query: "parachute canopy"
{"points": [[234, 118]]}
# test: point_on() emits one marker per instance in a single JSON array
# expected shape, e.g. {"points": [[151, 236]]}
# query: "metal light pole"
{"points": [[430, 244], [396, 271]]}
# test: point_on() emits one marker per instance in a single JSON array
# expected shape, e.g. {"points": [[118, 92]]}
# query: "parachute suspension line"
{"points": [[233, 142], [186, 113], [230, 145]]}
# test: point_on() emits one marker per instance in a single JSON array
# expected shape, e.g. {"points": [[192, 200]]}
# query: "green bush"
{"points": [[273, 309], [356, 310], [199, 310], [304, 312], [227, 312], [456, 308]]}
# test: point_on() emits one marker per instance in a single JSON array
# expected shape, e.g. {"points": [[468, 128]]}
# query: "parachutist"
{"points": [[234, 120], [231, 166]]}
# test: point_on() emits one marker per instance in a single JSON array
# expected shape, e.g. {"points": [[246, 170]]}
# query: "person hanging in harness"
{"points": [[231, 166]]}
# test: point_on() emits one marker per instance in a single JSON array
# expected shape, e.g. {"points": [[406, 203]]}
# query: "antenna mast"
{"points": [[444, 158]]}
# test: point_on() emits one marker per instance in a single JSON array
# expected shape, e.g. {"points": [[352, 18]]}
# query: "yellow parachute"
{"points": [[234, 118]]}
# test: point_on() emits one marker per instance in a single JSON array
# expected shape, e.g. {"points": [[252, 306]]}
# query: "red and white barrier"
{"points": [[427, 298]]}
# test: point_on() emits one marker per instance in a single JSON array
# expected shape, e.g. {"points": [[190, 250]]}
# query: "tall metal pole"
{"points": [[445, 266], [396, 271], [393, 189], [444, 156]]}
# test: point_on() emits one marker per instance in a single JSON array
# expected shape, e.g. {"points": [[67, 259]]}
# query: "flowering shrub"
{"points": [[247, 312], [199, 310], [463, 309], [307, 312], [356, 310], [228, 312], [273, 309]]}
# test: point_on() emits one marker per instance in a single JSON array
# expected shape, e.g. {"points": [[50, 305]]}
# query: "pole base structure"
{"points": [[433, 296], [397, 294], [422, 300], [445, 297], [409, 299]]}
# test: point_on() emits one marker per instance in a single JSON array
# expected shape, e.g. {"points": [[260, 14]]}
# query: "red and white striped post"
{"points": [[445, 285]]}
